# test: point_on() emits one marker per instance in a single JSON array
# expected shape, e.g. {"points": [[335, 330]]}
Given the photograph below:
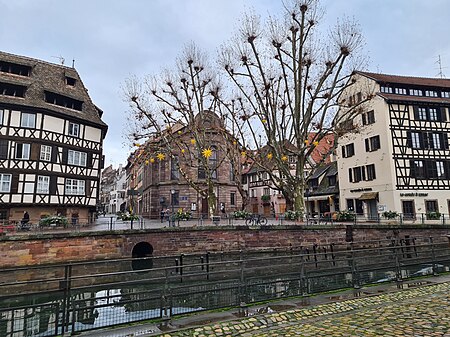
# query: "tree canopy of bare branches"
{"points": [[288, 79]]}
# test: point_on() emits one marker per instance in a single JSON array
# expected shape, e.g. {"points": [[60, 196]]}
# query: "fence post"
{"points": [[433, 256], [355, 278], [207, 265], [181, 267], [111, 223], [242, 288], [398, 272], [65, 285]]}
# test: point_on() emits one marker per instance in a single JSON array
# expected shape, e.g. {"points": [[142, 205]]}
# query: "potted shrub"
{"points": [[292, 215], [390, 215], [433, 215], [241, 214], [265, 198], [346, 216]]}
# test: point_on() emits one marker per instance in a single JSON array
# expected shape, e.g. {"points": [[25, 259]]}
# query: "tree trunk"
{"points": [[212, 200], [299, 200]]}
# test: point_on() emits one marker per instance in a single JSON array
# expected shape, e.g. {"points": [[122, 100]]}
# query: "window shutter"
{"points": [[364, 119], [3, 149], [443, 114], [445, 140], [350, 175], [54, 155], [343, 152], [408, 139], [89, 160], [363, 173], [15, 183], [52, 186], [416, 112], [422, 140], [19, 148], [367, 144], [64, 156]]}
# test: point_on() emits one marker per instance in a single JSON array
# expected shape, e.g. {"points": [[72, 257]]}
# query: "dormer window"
{"points": [[431, 93], [13, 90], [16, 69], [70, 81], [386, 90], [63, 101]]}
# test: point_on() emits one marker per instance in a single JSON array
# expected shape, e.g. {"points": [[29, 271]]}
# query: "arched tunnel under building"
{"points": [[141, 254]]}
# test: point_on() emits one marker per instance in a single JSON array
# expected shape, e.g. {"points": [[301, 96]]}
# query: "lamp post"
{"points": [[307, 205], [172, 215]]}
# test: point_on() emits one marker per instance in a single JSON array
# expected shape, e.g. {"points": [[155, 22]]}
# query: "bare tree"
{"points": [[179, 114], [289, 82]]}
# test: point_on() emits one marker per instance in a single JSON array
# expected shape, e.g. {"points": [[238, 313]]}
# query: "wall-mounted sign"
{"points": [[361, 189], [414, 194]]}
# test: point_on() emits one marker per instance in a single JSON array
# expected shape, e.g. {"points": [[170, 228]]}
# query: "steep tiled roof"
{"points": [[45, 76], [423, 81]]}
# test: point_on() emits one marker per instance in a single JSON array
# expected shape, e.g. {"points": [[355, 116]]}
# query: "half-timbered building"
{"points": [[51, 136], [399, 160]]}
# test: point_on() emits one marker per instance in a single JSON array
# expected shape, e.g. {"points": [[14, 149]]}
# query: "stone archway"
{"points": [[141, 254]]}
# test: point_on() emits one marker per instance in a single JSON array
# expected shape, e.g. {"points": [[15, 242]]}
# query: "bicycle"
{"points": [[256, 219]]}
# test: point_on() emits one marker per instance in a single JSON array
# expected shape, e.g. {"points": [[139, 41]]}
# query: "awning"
{"points": [[369, 196]]}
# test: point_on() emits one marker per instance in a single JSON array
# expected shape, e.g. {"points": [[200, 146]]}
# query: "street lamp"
{"points": [[172, 215]]}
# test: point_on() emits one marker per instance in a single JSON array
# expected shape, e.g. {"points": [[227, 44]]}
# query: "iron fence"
{"points": [[55, 300]]}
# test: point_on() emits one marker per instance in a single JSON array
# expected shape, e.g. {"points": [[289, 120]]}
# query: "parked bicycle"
{"points": [[256, 219]]}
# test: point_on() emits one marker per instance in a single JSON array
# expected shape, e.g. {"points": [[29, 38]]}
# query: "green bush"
{"points": [[346, 216], [241, 214], [54, 221], [390, 214], [128, 217], [265, 198], [292, 215], [433, 215]]}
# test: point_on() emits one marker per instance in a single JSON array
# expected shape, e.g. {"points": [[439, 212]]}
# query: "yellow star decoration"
{"points": [[179, 132], [235, 142], [146, 162], [207, 153], [136, 144], [315, 143], [284, 158], [264, 120], [269, 156], [306, 141], [152, 160], [193, 141], [243, 153], [183, 150], [160, 156]]}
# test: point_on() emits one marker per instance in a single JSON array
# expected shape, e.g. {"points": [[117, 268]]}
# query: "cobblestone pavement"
{"points": [[422, 311]]}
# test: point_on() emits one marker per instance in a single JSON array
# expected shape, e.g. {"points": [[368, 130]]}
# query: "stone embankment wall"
{"points": [[34, 249]]}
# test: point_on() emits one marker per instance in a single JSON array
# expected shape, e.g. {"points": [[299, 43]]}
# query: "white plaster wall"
{"points": [[93, 134]]}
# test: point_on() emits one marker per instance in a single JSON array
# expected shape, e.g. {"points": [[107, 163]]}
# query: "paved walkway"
{"points": [[423, 311], [419, 308]]}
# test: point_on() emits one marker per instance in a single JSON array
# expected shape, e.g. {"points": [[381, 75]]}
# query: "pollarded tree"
{"points": [[178, 113], [289, 85]]}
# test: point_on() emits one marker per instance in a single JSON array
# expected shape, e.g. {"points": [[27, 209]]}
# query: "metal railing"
{"points": [[97, 294]]}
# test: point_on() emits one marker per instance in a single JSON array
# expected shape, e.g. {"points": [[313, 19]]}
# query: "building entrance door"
{"points": [[372, 210]]}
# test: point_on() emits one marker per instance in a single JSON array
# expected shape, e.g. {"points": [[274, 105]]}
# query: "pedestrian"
{"points": [[162, 215], [25, 219]]}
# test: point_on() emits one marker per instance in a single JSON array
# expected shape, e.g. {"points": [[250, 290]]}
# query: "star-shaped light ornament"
{"points": [[146, 162], [269, 156], [316, 143], [264, 121], [161, 156], [243, 153], [193, 141], [306, 141], [207, 153], [183, 150], [136, 144], [152, 160], [284, 158]]}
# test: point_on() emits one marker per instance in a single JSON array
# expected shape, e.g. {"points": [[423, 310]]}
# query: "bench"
{"points": [[215, 219]]}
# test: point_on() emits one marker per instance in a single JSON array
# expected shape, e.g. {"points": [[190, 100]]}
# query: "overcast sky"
{"points": [[113, 39]]}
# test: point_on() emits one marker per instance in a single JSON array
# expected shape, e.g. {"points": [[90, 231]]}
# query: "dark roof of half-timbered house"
{"points": [[407, 80], [41, 80]]}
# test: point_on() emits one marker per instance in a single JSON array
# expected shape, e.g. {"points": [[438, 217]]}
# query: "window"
{"points": [[43, 185], [372, 143], [74, 129], [415, 140], [76, 158], [386, 90], [5, 182], [28, 120], [63, 101], [46, 153], [332, 180], [433, 114], [422, 114], [22, 151], [431, 93], [266, 191], [445, 94], [415, 92], [371, 172], [436, 140], [14, 68], [357, 174], [75, 187], [13, 90], [348, 150], [440, 171], [70, 81], [1, 116], [400, 91], [368, 117], [174, 172], [417, 169], [233, 198]]}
